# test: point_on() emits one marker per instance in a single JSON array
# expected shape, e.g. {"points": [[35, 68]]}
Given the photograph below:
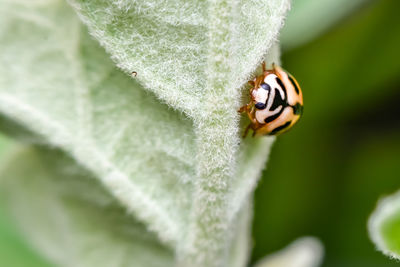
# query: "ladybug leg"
{"points": [[246, 131], [244, 108], [253, 85], [250, 114], [274, 70], [249, 111], [255, 127], [264, 69], [254, 123]]}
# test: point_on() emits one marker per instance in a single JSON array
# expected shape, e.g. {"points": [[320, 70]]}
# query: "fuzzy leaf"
{"points": [[303, 252], [76, 221], [384, 226], [187, 52], [187, 178]]}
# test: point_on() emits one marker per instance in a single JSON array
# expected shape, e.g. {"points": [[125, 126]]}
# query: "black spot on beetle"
{"points": [[279, 81], [280, 128], [278, 101], [260, 105], [273, 117], [294, 84], [297, 109], [265, 86]]}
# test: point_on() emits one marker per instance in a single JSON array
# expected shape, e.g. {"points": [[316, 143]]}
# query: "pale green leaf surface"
{"points": [[303, 252], [384, 226], [74, 221], [309, 18], [88, 111], [5, 144], [188, 179], [12, 128], [70, 217]]}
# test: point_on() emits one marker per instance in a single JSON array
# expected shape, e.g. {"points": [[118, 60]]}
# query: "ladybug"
{"points": [[276, 102]]}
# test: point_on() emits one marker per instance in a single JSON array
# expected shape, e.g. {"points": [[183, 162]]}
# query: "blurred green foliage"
{"points": [[14, 250], [391, 228], [325, 176], [300, 25]]}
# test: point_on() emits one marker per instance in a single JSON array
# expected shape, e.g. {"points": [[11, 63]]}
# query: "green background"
{"points": [[324, 176], [14, 250]]}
